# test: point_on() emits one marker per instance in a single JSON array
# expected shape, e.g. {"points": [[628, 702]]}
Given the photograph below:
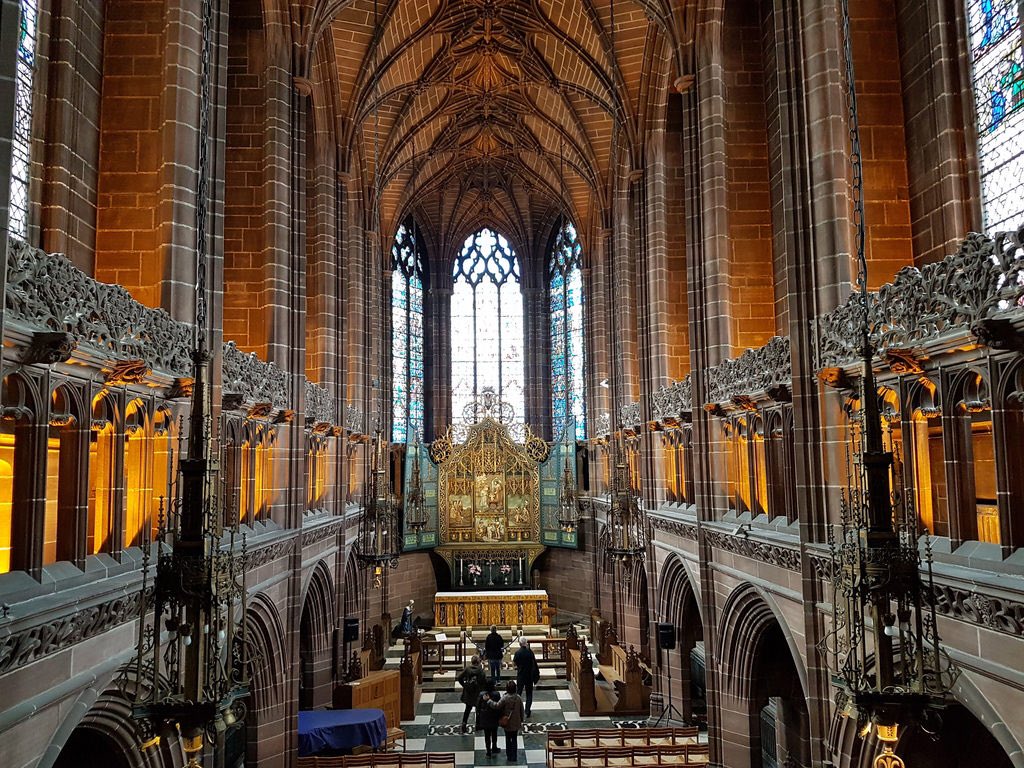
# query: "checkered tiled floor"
{"points": [[437, 727]]}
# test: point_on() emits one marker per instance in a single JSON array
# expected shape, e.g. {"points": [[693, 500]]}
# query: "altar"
{"points": [[484, 608]]}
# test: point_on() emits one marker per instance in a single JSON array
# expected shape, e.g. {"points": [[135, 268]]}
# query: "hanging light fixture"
{"points": [[379, 538], [627, 523], [378, 541], [415, 511], [189, 677], [888, 665], [626, 520], [568, 502]]}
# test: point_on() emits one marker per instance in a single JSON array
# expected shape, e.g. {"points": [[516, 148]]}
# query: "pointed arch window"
{"points": [[21, 141], [487, 323], [565, 291], [406, 336], [997, 60]]}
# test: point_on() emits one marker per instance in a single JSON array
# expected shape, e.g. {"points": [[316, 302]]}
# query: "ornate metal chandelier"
{"points": [[378, 543], [568, 502], [627, 523], [190, 673], [886, 657], [415, 512]]}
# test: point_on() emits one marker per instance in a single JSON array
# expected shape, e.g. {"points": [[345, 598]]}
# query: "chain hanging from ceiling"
{"points": [[378, 542], [189, 677], [887, 661], [626, 523]]}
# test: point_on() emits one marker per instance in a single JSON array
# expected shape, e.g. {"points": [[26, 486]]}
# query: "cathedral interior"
{"points": [[681, 339]]}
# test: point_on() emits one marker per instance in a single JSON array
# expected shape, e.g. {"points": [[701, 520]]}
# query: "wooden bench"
{"points": [[629, 677], [382, 760], [410, 684], [622, 737], [683, 755]]}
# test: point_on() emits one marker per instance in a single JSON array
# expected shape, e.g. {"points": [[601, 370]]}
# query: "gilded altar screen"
{"points": [[488, 487]]}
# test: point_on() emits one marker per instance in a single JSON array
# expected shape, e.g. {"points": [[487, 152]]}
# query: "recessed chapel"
{"points": [[486, 382]]}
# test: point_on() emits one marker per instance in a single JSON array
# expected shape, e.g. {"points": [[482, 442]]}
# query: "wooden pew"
{"points": [[382, 760], [680, 755], [410, 684], [622, 737]]}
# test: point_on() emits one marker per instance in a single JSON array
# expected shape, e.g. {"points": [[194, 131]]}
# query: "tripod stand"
{"points": [[671, 708]]}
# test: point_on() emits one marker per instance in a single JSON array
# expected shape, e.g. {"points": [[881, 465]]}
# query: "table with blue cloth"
{"points": [[339, 730]]}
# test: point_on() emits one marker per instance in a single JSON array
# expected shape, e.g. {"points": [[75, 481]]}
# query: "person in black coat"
{"points": [[472, 680], [510, 706], [527, 672], [494, 652], [487, 718]]}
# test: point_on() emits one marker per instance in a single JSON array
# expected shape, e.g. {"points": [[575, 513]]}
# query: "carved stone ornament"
{"points": [[181, 389], [773, 554], [253, 379], [674, 402], [19, 647], [835, 377], [355, 421], [631, 416], [902, 361], [320, 408], [994, 612], [321, 532], [268, 554], [49, 347], [46, 292], [963, 292], [756, 370], [128, 372], [684, 530]]}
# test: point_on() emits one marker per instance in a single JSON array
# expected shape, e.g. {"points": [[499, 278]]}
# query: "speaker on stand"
{"points": [[667, 642], [349, 634]]}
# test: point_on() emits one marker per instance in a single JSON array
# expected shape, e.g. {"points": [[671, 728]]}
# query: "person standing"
{"points": [[494, 652], [487, 717], [472, 680], [510, 711], [527, 672]]}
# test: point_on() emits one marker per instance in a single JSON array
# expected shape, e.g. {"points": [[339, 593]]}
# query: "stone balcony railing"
{"points": [[978, 290], [62, 311]]}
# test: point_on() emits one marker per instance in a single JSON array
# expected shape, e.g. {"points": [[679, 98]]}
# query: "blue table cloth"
{"points": [[335, 730]]}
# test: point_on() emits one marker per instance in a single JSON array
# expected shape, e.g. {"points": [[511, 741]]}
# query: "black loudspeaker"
{"points": [[666, 636], [351, 629]]}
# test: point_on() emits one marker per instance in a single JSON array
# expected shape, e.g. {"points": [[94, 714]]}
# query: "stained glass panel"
{"points": [[406, 337], [487, 323], [997, 57], [21, 144], [565, 291]]}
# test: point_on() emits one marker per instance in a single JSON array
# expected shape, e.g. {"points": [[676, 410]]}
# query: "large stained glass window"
{"points": [[21, 154], [565, 289], [487, 323], [406, 337], [997, 58]]}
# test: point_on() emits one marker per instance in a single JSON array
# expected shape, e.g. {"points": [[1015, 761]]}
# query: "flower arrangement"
{"points": [[506, 569], [474, 569]]}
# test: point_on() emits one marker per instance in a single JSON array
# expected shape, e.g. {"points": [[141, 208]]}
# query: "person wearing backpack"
{"points": [[510, 710], [472, 680]]}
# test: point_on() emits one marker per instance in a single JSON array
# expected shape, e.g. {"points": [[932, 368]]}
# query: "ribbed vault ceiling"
{"points": [[499, 112]]}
